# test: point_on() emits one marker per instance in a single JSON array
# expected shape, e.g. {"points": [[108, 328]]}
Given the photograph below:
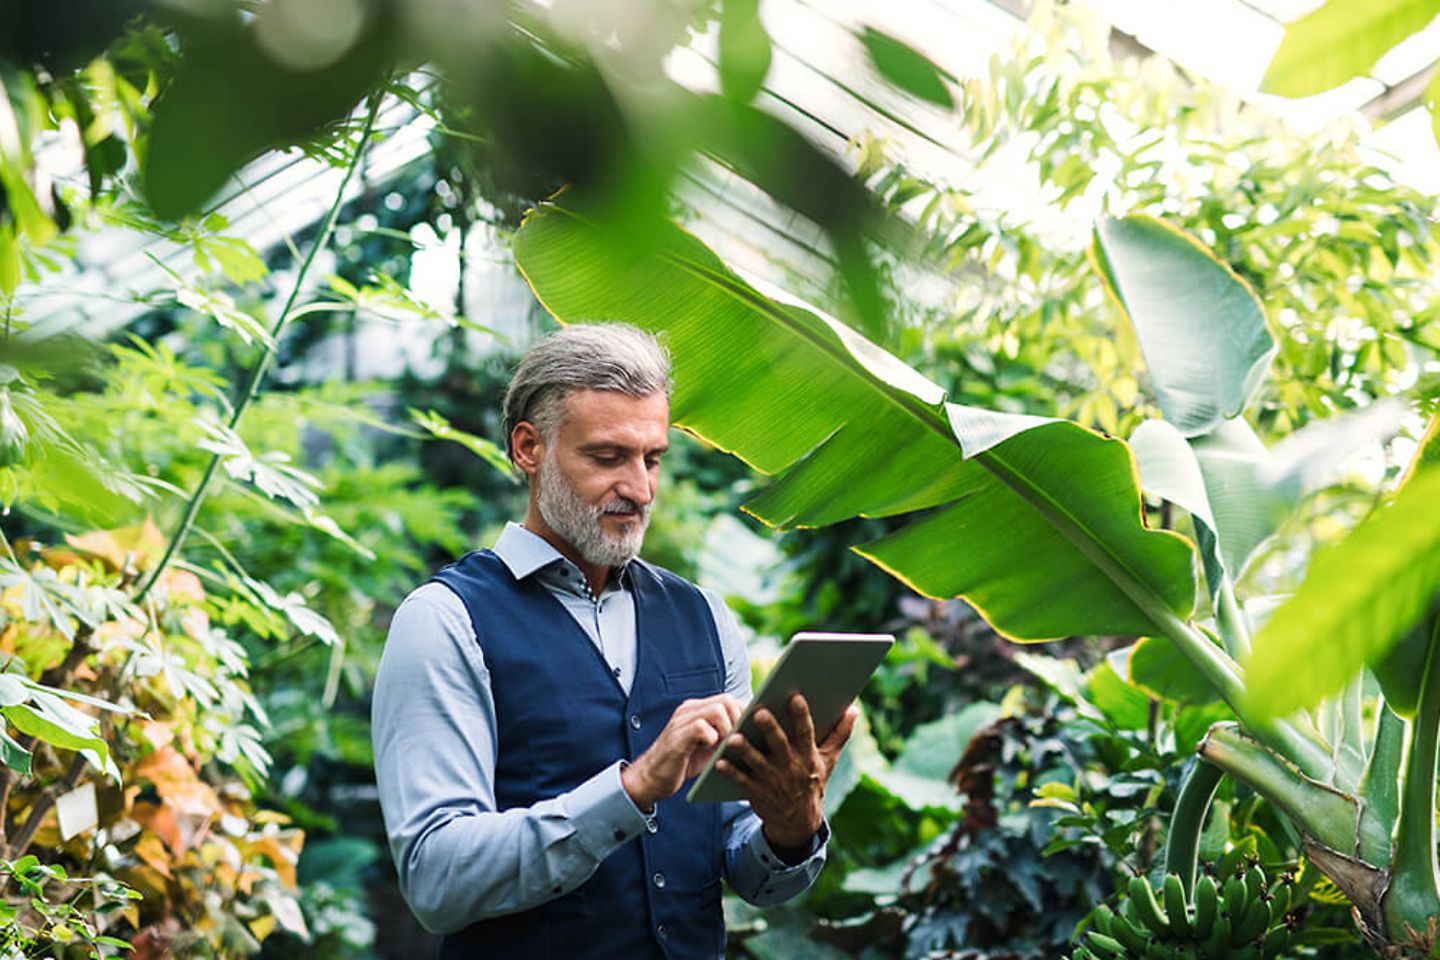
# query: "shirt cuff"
{"points": [[777, 867], [602, 813]]}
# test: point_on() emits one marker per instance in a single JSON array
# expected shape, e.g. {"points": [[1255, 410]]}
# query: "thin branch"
{"points": [[257, 373], [43, 802]]}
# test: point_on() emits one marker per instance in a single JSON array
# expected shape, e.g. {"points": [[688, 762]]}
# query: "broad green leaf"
{"points": [[1201, 328], [906, 67], [849, 430], [1026, 530], [1122, 704], [1427, 455], [1357, 600], [9, 260], [1154, 664], [1401, 670], [12, 690], [934, 748], [31, 722], [195, 147], [13, 755], [744, 49], [1341, 40]]}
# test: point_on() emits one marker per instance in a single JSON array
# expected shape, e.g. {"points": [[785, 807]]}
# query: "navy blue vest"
{"points": [[561, 718]]}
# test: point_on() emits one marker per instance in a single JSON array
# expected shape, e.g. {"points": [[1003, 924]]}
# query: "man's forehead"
{"points": [[608, 411]]}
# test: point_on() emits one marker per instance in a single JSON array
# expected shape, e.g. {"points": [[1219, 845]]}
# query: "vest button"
{"points": [[652, 825], [634, 721], [661, 932], [658, 880]]}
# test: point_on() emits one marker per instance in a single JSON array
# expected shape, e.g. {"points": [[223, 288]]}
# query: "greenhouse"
{"points": [[784, 480]]}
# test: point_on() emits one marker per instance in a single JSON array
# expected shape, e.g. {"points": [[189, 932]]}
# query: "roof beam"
{"points": [[1400, 98]]}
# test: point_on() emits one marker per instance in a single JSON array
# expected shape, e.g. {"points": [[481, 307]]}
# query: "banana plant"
{"points": [[1039, 523]]}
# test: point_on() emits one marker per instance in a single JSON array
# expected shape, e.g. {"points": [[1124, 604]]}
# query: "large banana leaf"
{"points": [[1035, 521], [1201, 329]]}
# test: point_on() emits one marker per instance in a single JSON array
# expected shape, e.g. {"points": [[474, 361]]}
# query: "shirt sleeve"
{"points": [[754, 870], [458, 859]]}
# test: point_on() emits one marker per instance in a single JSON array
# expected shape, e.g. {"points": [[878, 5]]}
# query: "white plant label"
{"points": [[77, 811]]}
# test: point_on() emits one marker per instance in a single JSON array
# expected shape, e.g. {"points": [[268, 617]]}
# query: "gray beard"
{"points": [[578, 523]]}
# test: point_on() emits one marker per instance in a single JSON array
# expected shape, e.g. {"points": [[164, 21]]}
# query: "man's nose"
{"points": [[635, 484]]}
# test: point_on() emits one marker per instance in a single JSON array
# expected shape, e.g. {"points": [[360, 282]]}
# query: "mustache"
{"points": [[624, 505]]}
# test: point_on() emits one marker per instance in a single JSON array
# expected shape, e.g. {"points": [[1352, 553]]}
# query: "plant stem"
{"points": [[1182, 845], [257, 373], [1321, 812], [1414, 894], [44, 802], [1212, 662], [1234, 629], [1380, 785]]}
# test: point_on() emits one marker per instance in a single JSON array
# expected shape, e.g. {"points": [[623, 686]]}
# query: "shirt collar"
{"points": [[525, 553]]}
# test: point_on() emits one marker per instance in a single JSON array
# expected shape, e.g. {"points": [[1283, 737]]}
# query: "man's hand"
{"points": [[785, 783], [694, 732]]}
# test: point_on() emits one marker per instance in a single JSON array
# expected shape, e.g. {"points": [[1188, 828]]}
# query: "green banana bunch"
{"points": [[1243, 918]]}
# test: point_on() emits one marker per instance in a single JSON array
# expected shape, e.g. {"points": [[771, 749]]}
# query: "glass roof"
{"points": [[820, 82]]}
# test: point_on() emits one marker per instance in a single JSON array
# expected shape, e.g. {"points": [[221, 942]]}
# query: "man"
{"points": [[539, 705]]}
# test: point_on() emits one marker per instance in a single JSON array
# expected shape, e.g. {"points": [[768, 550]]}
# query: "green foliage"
{"points": [[1338, 253], [1200, 375], [906, 67], [1340, 40], [869, 427], [988, 884], [1356, 603]]}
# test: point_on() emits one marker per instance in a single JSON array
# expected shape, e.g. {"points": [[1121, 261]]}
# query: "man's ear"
{"points": [[527, 447]]}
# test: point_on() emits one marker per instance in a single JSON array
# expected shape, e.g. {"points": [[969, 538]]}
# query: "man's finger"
{"points": [[804, 725], [701, 732], [774, 734], [733, 708], [736, 776], [837, 737], [741, 749]]}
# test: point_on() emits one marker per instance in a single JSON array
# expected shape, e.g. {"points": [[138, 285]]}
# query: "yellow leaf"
{"points": [[152, 851], [177, 783], [262, 926], [142, 544]]}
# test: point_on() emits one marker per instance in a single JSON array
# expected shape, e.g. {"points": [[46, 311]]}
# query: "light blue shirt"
{"points": [[460, 860]]}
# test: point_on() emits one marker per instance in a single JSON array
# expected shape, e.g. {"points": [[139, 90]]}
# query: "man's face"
{"points": [[597, 475]]}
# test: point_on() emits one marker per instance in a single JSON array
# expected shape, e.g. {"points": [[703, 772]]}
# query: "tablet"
{"points": [[829, 669]]}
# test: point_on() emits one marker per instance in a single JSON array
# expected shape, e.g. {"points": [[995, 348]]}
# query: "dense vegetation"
{"points": [[1124, 428]]}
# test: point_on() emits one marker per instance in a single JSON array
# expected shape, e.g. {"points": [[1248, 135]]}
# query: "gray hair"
{"points": [[595, 356]]}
